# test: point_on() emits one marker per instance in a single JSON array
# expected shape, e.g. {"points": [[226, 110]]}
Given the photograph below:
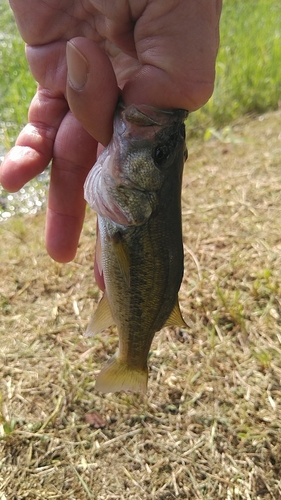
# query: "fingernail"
{"points": [[77, 66]]}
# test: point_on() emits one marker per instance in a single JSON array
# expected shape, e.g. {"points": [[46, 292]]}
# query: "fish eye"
{"points": [[160, 155]]}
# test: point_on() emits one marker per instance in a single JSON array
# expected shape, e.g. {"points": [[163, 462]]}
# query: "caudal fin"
{"points": [[118, 376]]}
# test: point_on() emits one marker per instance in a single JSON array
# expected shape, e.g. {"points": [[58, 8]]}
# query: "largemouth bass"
{"points": [[135, 187]]}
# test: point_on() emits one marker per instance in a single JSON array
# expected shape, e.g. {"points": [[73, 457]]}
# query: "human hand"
{"points": [[157, 53]]}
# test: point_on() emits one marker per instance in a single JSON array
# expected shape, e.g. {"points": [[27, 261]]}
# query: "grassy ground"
{"points": [[210, 425]]}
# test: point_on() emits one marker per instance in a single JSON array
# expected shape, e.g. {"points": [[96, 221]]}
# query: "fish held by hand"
{"points": [[135, 187]]}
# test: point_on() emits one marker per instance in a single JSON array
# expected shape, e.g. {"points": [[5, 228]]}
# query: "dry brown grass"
{"points": [[210, 425]]}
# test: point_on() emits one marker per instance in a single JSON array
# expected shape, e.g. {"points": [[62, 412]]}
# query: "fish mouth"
{"points": [[134, 203], [127, 205], [112, 212], [128, 183], [147, 116], [122, 200]]}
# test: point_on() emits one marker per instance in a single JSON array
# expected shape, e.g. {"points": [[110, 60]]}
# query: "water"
{"points": [[32, 197], [28, 200]]}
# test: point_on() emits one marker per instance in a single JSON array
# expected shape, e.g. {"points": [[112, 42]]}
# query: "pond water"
{"points": [[32, 197], [28, 200]]}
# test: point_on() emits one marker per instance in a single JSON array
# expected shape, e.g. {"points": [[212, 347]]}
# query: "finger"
{"points": [[74, 155], [41, 22], [34, 146], [92, 90], [177, 44], [162, 90]]}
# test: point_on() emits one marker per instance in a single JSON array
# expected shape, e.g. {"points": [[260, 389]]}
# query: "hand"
{"points": [[154, 52]]}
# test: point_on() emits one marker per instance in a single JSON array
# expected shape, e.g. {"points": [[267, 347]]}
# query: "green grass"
{"points": [[248, 65], [248, 68], [17, 85]]}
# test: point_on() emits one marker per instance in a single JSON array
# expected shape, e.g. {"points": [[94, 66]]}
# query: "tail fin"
{"points": [[118, 376]]}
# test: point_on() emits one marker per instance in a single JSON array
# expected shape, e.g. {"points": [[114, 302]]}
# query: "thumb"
{"points": [[92, 90]]}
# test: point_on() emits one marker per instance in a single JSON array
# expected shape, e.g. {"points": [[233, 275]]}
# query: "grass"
{"points": [[210, 425], [248, 73], [248, 69], [17, 86]]}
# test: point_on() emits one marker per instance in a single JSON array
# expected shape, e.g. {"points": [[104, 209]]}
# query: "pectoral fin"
{"points": [[98, 270], [175, 318], [122, 258], [101, 319]]}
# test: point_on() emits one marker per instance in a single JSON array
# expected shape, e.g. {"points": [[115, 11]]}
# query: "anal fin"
{"points": [[101, 319]]}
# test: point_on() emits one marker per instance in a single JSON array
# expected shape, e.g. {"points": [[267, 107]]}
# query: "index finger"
{"points": [[74, 155]]}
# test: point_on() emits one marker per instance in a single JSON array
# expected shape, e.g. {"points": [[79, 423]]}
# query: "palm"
{"points": [[49, 21]]}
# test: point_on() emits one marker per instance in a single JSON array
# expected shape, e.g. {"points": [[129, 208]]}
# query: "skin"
{"points": [[133, 47]]}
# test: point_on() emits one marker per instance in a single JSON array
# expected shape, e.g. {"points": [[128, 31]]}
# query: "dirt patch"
{"points": [[209, 427]]}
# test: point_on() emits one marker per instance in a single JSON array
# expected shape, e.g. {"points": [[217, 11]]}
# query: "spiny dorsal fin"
{"points": [[175, 318], [101, 319]]}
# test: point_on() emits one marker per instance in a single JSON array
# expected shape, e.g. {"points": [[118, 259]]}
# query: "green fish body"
{"points": [[136, 189]]}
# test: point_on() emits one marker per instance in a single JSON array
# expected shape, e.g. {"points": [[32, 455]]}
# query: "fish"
{"points": [[135, 188]]}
